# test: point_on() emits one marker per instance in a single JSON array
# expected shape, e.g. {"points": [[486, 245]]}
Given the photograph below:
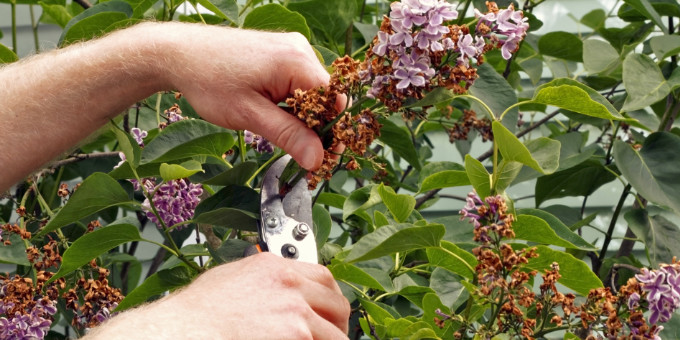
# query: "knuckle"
{"points": [[287, 278]]}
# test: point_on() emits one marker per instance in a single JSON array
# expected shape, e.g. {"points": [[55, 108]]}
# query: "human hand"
{"points": [[234, 78], [260, 297]]}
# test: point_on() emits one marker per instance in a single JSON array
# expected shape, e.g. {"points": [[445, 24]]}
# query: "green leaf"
{"points": [[450, 292], [233, 206], [238, 175], [571, 336], [331, 199], [57, 12], [139, 7], [660, 236], [418, 330], [94, 244], [645, 84], [543, 157], [188, 138], [434, 97], [452, 258], [96, 193], [665, 46], [128, 145], [572, 103], [507, 173], [479, 177], [95, 21], [7, 55], [535, 229], [158, 283], [494, 90], [211, 7], [395, 238], [444, 179], [230, 250], [177, 171], [359, 200], [399, 205], [322, 224], [599, 56], [379, 219], [576, 274], [646, 9], [331, 18], [400, 141], [14, 253], [653, 170], [594, 19], [561, 45], [560, 229], [376, 311], [581, 180], [274, 17], [351, 273], [573, 99]]}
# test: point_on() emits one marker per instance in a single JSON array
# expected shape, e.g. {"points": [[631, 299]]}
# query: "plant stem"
{"points": [[13, 6], [462, 13], [34, 26], [242, 145], [610, 231]]}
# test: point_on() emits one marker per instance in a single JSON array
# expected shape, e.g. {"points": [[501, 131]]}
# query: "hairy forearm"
{"points": [[52, 101]]}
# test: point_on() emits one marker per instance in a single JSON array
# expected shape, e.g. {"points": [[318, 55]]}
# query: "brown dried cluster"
{"points": [[468, 122], [317, 108], [45, 258], [14, 229], [20, 294], [92, 300]]}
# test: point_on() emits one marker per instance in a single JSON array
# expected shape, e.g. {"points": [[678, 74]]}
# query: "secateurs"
{"points": [[285, 227]]}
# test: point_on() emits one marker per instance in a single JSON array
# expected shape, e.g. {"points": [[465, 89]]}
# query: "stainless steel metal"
{"points": [[289, 212], [301, 231]]}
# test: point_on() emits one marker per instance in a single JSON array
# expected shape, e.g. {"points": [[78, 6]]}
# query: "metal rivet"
{"points": [[272, 222], [301, 230], [289, 251]]}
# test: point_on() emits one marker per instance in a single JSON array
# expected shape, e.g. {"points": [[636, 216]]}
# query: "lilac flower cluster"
{"points": [[417, 30], [33, 325], [488, 216], [417, 40], [661, 288], [175, 201], [507, 22], [259, 143]]}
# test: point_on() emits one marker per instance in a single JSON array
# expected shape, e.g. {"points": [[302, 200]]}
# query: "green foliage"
{"points": [[568, 117]]}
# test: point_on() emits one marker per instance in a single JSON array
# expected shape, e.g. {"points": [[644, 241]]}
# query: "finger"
{"points": [[286, 131], [328, 304], [324, 330]]}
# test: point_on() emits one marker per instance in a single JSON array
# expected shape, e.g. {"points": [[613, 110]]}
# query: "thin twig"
{"points": [[76, 158], [83, 3], [428, 195]]}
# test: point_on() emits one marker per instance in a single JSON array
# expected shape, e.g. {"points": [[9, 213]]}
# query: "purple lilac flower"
{"points": [[175, 202], [507, 22], [662, 291], [139, 135], [260, 143], [34, 325]]}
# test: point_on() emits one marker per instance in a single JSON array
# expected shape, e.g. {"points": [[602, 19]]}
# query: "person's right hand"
{"points": [[260, 297]]}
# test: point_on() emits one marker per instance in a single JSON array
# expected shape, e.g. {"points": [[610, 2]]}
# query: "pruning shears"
{"points": [[285, 227]]}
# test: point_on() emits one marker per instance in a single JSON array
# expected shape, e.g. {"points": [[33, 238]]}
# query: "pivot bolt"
{"points": [[301, 231]]}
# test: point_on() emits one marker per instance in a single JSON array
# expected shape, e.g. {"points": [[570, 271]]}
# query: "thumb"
{"points": [[286, 132]]}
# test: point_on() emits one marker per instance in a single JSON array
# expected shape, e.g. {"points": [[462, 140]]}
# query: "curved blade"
{"points": [[286, 216]]}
